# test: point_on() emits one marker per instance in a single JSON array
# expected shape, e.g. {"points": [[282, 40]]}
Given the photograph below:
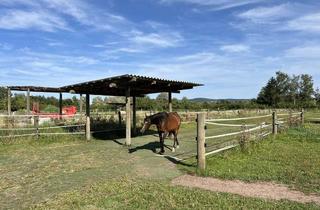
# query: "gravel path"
{"points": [[259, 190]]}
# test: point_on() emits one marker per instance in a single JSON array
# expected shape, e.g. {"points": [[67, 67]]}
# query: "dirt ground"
{"points": [[265, 190]]}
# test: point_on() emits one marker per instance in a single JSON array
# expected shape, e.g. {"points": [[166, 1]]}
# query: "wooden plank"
{"points": [[9, 101], [120, 119], [28, 101], [201, 151], [128, 118], [274, 123], [37, 89], [221, 149], [88, 134], [134, 116], [60, 105], [237, 133], [302, 116], [170, 101], [81, 104], [236, 119]]}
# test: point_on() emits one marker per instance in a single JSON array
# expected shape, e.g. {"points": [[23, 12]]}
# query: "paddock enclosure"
{"points": [[129, 86], [215, 131]]}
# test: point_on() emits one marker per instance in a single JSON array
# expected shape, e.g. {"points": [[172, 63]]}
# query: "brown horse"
{"points": [[167, 124]]}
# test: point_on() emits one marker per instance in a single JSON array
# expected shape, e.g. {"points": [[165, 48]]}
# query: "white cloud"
{"points": [[235, 48], [159, 40], [304, 52], [73, 8], [307, 23], [215, 4], [268, 14], [18, 19], [5, 46], [50, 15], [55, 44]]}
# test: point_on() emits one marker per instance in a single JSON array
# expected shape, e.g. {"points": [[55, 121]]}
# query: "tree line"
{"points": [[284, 90]]}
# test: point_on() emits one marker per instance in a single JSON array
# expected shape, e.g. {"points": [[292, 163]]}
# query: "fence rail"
{"points": [[230, 125], [237, 133], [236, 119], [201, 131]]}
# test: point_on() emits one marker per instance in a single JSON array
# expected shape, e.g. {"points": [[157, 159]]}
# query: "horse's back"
{"points": [[173, 121]]}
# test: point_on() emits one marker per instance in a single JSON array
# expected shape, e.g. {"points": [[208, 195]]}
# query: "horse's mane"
{"points": [[158, 117]]}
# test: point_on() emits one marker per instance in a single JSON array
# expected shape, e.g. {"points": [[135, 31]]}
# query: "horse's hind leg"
{"points": [[174, 145], [175, 141], [176, 138]]}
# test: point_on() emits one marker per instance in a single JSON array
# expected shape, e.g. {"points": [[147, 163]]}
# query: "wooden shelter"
{"points": [[130, 86]]}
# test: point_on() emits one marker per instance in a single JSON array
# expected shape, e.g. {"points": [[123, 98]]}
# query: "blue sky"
{"points": [[231, 46]]}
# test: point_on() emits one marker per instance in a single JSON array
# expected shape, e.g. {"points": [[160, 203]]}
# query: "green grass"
{"points": [[292, 158], [150, 194], [71, 173]]}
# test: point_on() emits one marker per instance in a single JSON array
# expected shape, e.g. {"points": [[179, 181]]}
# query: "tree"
{"points": [[162, 97], [284, 91], [3, 98], [283, 81], [270, 93], [306, 88], [317, 96], [18, 102], [97, 101], [115, 99], [293, 92]]}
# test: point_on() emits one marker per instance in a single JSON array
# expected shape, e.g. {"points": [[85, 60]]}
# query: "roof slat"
{"points": [[116, 86]]}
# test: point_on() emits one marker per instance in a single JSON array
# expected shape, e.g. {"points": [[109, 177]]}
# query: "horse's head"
{"points": [[146, 124]]}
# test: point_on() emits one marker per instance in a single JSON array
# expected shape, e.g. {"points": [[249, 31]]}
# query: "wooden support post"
{"points": [[81, 105], [134, 116], [201, 150], [28, 101], [290, 122], [128, 118], [9, 101], [36, 125], [274, 123], [170, 101], [60, 106], [88, 134], [302, 116], [120, 119]]}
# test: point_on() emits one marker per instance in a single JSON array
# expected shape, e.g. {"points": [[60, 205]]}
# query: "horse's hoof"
{"points": [[173, 149], [177, 146], [161, 153]]}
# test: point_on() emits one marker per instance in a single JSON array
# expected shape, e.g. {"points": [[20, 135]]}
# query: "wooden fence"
{"points": [[278, 122], [18, 126]]}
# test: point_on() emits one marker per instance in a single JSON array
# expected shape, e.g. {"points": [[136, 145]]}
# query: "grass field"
{"points": [[70, 173], [292, 158]]}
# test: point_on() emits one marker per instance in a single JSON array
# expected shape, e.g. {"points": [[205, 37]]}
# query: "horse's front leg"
{"points": [[161, 136]]}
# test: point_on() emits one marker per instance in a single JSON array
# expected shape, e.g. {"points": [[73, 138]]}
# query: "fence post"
{"points": [[302, 116], [290, 118], [9, 101], [274, 123], [201, 151], [88, 128], [128, 118], [36, 125]]}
